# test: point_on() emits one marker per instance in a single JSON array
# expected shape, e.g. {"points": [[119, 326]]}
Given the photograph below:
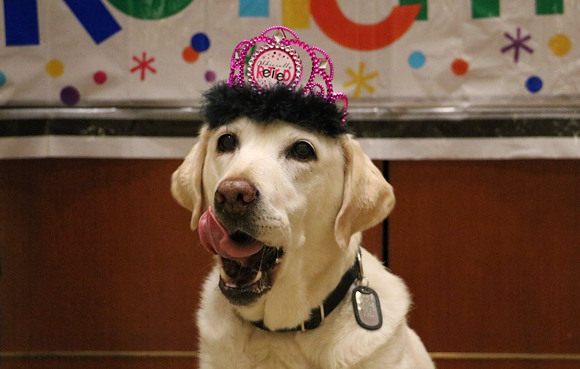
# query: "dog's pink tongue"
{"points": [[215, 239]]}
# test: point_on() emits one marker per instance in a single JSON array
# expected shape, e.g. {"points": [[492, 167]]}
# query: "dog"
{"points": [[282, 208]]}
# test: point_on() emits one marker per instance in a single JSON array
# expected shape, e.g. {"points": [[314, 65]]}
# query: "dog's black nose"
{"points": [[235, 195]]}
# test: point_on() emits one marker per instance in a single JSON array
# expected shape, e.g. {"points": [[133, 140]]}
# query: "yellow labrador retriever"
{"points": [[280, 192], [282, 209]]}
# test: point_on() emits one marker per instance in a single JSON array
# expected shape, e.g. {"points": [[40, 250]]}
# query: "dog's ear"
{"points": [[368, 198], [186, 181]]}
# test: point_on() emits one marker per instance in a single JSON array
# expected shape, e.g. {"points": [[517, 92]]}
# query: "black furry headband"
{"points": [[223, 103]]}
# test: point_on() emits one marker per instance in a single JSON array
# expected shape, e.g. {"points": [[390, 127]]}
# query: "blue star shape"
{"points": [[518, 43]]}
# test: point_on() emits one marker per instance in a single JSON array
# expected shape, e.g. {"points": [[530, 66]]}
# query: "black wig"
{"points": [[223, 103]]}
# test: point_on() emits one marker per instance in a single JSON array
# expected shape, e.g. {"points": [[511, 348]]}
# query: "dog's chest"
{"points": [[262, 351], [280, 354]]}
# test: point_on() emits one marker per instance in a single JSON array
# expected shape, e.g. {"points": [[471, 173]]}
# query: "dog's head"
{"points": [[264, 194]]}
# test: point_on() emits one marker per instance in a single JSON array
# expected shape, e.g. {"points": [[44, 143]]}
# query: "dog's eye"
{"points": [[227, 143], [302, 151]]}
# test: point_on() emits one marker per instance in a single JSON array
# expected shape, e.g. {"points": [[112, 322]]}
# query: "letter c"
{"points": [[357, 36]]}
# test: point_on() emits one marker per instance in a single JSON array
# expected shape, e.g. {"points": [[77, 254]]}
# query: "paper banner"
{"points": [[127, 52]]}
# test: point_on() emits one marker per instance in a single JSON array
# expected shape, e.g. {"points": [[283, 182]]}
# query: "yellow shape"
{"points": [[296, 13], [560, 44], [54, 68], [360, 80]]}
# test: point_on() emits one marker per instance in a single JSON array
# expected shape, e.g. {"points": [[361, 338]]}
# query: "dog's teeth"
{"points": [[225, 276], [257, 277]]}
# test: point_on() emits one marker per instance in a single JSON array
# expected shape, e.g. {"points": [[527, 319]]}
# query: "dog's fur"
{"points": [[314, 210]]}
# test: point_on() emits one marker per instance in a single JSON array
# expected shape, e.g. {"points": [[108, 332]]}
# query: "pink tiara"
{"points": [[276, 62]]}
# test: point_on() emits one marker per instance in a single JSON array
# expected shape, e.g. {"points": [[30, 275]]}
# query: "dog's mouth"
{"points": [[255, 277], [248, 265]]}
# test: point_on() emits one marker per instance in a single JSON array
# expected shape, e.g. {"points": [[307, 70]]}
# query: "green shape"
{"points": [[423, 13], [150, 9], [484, 8], [544, 7]]}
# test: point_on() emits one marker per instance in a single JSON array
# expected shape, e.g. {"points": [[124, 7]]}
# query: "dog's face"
{"points": [[264, 195]]}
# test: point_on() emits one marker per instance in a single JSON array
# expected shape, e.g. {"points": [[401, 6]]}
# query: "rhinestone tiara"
{"points": [[274, 60]]}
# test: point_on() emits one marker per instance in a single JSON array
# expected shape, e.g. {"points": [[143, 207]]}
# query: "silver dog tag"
{"points": [[367, 308]]}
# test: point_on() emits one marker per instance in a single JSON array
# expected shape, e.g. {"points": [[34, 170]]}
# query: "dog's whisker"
{"points": [[262, 260]]}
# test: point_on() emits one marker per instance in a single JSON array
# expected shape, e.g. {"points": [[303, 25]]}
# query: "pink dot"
{"points": [[100, 77], [210, 76]]}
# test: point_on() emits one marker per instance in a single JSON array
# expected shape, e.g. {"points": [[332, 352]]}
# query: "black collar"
{"points": [[317, 314]]}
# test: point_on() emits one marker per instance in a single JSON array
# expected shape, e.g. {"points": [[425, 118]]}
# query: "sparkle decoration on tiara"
{"points": [[274, 59]]}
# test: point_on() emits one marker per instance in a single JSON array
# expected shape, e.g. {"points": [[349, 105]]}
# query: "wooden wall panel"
{"points": [[506, 364], [146, 363], [97, 256], [490, 251]]}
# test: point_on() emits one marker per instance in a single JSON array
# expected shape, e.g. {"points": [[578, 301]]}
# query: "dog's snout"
{"points": [[235, 195]]}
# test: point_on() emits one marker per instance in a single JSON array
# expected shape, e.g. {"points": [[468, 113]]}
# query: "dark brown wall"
{"points": [[490, 251], [97, 256]]}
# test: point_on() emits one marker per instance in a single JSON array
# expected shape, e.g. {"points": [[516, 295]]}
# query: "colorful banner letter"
{"points": [[96, 19], [21, 22]]}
